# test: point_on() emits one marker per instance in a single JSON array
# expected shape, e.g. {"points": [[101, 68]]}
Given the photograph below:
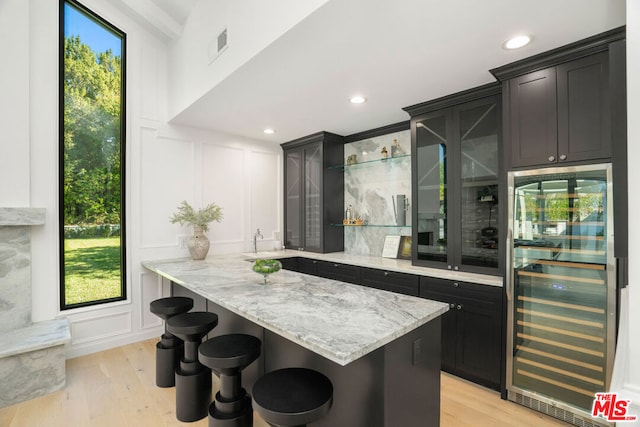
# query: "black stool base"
{"points": [[193, 394], [241, 418], [167, 359]]}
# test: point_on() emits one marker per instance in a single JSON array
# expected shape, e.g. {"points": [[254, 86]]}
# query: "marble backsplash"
{"points": [[371, 187]]}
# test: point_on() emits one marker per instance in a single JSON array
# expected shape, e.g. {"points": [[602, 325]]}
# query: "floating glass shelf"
{"points": [[369, 162]]}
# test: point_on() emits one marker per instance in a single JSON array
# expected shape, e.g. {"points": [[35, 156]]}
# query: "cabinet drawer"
{"points": [[307, 266], [289, 263], [401, 283], [337, 271], [455, 291]]}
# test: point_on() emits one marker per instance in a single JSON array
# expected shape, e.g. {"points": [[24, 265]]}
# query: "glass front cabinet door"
{"points": [[455, 190], [432, 140], [313, 193], [477, 179]]}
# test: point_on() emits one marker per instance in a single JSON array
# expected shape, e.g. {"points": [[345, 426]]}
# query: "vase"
{"points": [[198, 244]]}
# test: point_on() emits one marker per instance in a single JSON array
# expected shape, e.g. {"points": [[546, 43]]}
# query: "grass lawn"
{"points": [[92, 269]]}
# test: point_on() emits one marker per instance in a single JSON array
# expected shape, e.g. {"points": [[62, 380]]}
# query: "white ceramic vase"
{"points": [[198, 244]]}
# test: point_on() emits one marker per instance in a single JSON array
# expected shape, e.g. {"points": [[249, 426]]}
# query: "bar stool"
{"points": [[292, 397], [193, 381], [227, 356], [169, 349]]}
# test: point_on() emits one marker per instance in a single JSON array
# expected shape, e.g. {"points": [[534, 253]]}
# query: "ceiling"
{"points": [[178, 9], [395, 53]]}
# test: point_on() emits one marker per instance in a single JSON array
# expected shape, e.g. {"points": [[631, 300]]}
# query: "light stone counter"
{"points": [[391, 264], [339, 321]]}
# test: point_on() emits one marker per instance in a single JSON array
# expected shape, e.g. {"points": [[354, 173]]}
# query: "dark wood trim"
{"points": [[618, 85], [575, 50], [454, 99], [325, 137], [383, 130]]}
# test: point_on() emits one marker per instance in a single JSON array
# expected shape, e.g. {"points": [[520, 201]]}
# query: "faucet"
{"points": [[255, 240]]}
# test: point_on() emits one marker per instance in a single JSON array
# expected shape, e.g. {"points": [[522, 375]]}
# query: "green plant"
{"points": [[200, 218]]}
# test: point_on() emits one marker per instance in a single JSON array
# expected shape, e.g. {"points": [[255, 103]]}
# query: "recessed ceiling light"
{"points": [[269, 131], [357, 99], [517, 42]]}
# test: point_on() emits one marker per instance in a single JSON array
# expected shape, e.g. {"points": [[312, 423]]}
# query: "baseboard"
{"points": [[85, 348]]}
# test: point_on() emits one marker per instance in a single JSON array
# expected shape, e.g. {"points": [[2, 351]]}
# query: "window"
{"points": [[92, 162]]}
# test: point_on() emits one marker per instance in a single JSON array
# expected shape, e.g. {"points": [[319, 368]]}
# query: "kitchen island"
{"points": [[381, 350]]}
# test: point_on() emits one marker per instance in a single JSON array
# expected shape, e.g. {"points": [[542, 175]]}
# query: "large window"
{"points": [[92, 148]]}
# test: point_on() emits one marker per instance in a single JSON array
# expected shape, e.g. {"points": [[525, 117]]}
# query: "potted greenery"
{"points": [[198, 244]]}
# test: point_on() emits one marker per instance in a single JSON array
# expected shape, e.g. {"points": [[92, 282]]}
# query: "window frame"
{"points": [[123, 145]]}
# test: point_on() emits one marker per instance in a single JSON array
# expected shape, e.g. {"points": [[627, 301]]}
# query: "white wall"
{"points": [[251, 26], [165, 164], [14, 104], [632, 377]]}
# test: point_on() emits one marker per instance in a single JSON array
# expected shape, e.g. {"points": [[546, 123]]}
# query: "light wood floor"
{"points": [[115, 388]]}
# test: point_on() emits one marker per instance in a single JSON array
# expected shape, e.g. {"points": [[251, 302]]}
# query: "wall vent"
{"points": [[218, 45]]}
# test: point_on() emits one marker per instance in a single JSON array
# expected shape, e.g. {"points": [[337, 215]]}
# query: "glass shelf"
{"points": [[369, 162], [372, 225]]}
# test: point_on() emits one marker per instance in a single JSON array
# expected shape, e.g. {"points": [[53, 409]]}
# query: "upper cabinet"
{"points": [[558, 105], [313, 194], [561, 114], [456, 170]]}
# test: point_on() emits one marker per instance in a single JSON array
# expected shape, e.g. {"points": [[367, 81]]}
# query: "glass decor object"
{"points": [[265, 267]]}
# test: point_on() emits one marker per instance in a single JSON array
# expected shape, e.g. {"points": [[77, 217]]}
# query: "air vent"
{"points": [[218, 45], [222, 40], [555, 412]]}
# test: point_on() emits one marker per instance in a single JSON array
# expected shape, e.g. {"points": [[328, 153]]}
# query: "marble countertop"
{"points": [[391, 264], [36, 336], [22, 216], [337, 320]]}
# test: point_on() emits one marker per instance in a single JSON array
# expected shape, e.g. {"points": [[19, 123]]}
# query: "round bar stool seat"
{"points": [[193, 380], [170, 306], [292, 397], [227, 356], [169, 349]]}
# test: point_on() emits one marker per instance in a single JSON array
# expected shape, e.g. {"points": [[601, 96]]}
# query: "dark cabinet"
{"points": [[560, 114], [308, 266], [313, 194], [337, 271], [402, 283], [455, 181], [289, 263], [471, 329]]}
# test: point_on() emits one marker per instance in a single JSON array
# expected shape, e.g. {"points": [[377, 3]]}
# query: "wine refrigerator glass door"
{"points": [[561, 286]]}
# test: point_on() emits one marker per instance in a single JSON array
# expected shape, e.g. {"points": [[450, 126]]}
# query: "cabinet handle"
{"points": [[456, 284], [449, 267], [452, 305], [459, 306], [335, 265], [552, 158], [563, 157], [314, 262], [386, 273], [456, 268]]}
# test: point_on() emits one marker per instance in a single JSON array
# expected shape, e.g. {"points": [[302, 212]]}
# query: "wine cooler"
{"points": [[561, 290]]}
